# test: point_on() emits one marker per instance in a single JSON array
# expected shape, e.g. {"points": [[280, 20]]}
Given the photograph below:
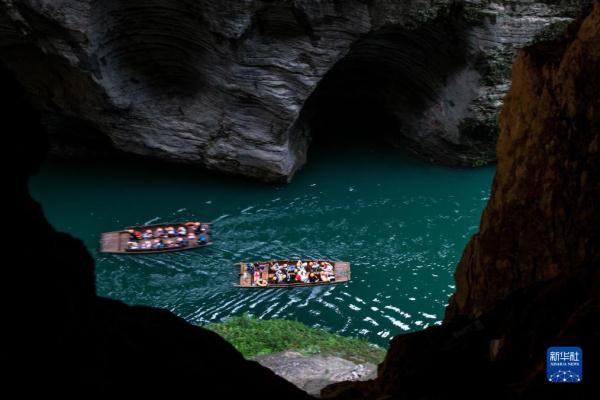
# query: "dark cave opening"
{"points": [[381, 93]]}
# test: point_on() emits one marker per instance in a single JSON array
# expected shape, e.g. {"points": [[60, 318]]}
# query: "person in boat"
{"points": [[291, 277], [170, 231], [250, 268], [281, 275], [133, 245], [146, 244], [327, 267], [181, 231], [312, 277], [160, 232], [158, 244], [147, 234], [191, 236], [197, 228], [324, 276], [301, 264], [133, 234], [303, 275], [256, 276], [202, 239], [273, 267], [181, 242], [291, 273]]}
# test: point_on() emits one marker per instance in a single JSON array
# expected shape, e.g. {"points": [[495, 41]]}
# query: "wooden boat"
{"points": [[339, 274], [119, 242]]}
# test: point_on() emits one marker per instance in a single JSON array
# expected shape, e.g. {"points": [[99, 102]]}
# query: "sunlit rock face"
{"points": [[530, 279], [242, 86]]}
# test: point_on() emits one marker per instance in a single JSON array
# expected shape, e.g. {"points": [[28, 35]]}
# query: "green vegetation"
{"points": [[254, 337]]}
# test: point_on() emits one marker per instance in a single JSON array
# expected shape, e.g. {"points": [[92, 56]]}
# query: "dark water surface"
{"points": [[401, 223]]}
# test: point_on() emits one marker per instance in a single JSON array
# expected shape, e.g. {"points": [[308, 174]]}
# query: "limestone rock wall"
{"points": [[224, 84]]}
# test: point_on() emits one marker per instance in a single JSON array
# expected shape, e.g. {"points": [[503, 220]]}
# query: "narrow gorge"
{"points": [[244, 87]]}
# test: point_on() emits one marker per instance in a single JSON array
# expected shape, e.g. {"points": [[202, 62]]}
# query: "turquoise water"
{"points": [[401, 223]]}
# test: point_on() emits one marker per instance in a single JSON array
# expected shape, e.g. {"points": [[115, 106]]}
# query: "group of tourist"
{"points": [[169, 237], [289, 273]]}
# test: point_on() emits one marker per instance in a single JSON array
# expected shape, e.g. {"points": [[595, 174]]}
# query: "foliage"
{"points": [[253, 337]]}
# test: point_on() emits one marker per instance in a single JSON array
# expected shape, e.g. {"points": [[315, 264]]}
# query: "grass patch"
{"points": [[254, 337]]}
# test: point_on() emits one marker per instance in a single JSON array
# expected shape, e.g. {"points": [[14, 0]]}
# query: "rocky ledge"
{"points": [[312, 373], [243, 86]]}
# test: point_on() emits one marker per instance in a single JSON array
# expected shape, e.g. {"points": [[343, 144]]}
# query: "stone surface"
{"points": [[530, 279], [541, 221], [243, 86], [312, 373]]}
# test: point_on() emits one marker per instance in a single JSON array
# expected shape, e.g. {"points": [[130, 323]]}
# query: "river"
{"points": [[403, 225]]}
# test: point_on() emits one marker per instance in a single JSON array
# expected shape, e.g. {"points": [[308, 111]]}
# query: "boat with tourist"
{"points": [[157, 238], [292, 273]]}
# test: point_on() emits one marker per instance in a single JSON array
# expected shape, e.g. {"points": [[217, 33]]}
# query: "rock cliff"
{"points": [[243, 86], [540, 222], [530, 279]]}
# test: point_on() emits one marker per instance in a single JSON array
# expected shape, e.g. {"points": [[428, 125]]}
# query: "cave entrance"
{"points": [[351, 111], [381, 93]]}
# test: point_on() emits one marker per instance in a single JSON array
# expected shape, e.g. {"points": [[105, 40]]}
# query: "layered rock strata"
{"points": [[243, 86]]}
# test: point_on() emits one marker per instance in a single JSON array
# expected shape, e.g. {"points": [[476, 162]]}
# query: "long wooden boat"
{"points": [[267, 277], [130, 240]]}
